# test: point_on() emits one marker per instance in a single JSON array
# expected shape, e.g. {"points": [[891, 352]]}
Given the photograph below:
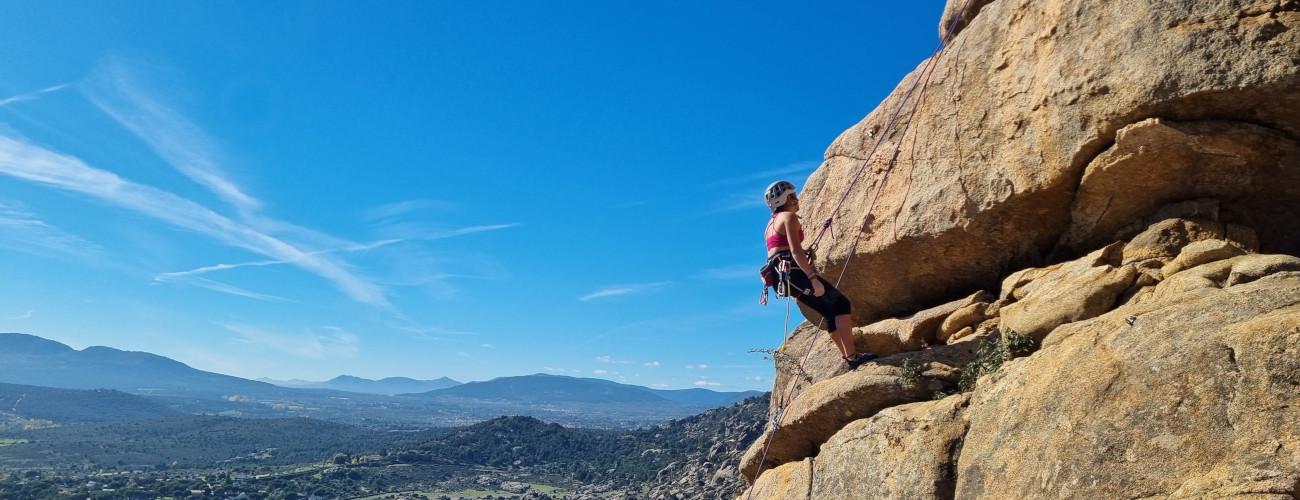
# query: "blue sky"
{"points": [[468, 189]]}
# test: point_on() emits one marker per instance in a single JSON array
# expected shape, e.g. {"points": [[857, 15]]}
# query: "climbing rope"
{"points": [[922, 79], [893, 120]]}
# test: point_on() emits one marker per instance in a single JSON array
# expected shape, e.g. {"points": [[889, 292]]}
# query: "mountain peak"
{"points": [[22, 343]]}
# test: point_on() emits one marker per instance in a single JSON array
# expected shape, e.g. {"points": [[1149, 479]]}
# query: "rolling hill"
{"points": [[387, 386], [546, 388], [31, 360], [70, 406]]}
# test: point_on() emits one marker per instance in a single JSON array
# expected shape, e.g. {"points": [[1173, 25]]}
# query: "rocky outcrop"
{"points": [[1155, 161], [703, 472], [808, 356], [1063, 294], [822, 409], [792, 481], [907, 451], [1191, 396], [1062, 122], [1126, 177], [1189, 387]]}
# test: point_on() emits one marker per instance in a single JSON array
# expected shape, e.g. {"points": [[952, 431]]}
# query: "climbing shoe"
{"points": [[859, 358]]}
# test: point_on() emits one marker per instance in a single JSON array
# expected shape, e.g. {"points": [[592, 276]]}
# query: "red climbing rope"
{"points": [[923, 80]]}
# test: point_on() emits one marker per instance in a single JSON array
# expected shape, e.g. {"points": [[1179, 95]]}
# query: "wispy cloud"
{"points": [[487, 346], [227, 288], [23, 160], [706, 383], [404, 207], [611, 361], [351, 248], [414, 220], [626, 289], [114, 88], [24, 231], [750, 195], [427, 332], [652, 364], [699, 366], [33, 95], [330, 343], [26, 315], [561, 370], [599, 372]]}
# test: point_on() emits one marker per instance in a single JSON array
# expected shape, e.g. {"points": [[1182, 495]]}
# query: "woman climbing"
{"points": [[784, 237]]}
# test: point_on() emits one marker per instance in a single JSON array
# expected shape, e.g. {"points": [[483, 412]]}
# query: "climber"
{"points": [[786, 255]]}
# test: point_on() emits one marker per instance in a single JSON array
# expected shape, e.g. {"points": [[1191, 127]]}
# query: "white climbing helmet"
{"points": [[777, 194]]}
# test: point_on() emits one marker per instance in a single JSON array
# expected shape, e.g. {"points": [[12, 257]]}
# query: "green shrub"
{"points": [[910, 374], [990, 355], [1019, 345]]}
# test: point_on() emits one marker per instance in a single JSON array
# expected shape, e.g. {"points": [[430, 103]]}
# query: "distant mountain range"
{"points": [[543, 388], [388, 386], [32, 360], [385, 403]]}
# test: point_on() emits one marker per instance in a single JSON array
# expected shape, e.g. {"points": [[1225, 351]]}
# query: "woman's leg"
{"points": [[843, 335]]}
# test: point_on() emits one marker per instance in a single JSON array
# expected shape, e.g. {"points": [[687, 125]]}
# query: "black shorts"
{"points": [[831, 304]]}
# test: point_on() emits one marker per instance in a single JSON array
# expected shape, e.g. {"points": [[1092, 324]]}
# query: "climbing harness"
{"points": [[922, 79], [776, 276]]}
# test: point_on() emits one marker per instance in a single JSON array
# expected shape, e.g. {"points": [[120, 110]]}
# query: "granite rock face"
{"points": [[1081, 270], [1049, 125], [1192, 396], [1185, 386]]}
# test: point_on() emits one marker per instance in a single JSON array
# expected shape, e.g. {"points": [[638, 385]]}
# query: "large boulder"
{"points": [[792, 481], [1075, 291], [809, 356], [1190, 396], [1253, 171], [1224, 273], [1163, 240], [907, 451], [1022, 104], [1201, 252], [822, 409]]}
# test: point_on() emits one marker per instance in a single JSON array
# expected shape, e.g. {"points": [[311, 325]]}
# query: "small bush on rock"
{"points": [[784, 360], [990, 355], [910, 373]]}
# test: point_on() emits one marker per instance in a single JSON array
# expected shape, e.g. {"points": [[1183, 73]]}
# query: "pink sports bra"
{"points": [[778, 240]]}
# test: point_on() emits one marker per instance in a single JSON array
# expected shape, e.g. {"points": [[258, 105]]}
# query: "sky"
{"points": [[471, 189]]}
